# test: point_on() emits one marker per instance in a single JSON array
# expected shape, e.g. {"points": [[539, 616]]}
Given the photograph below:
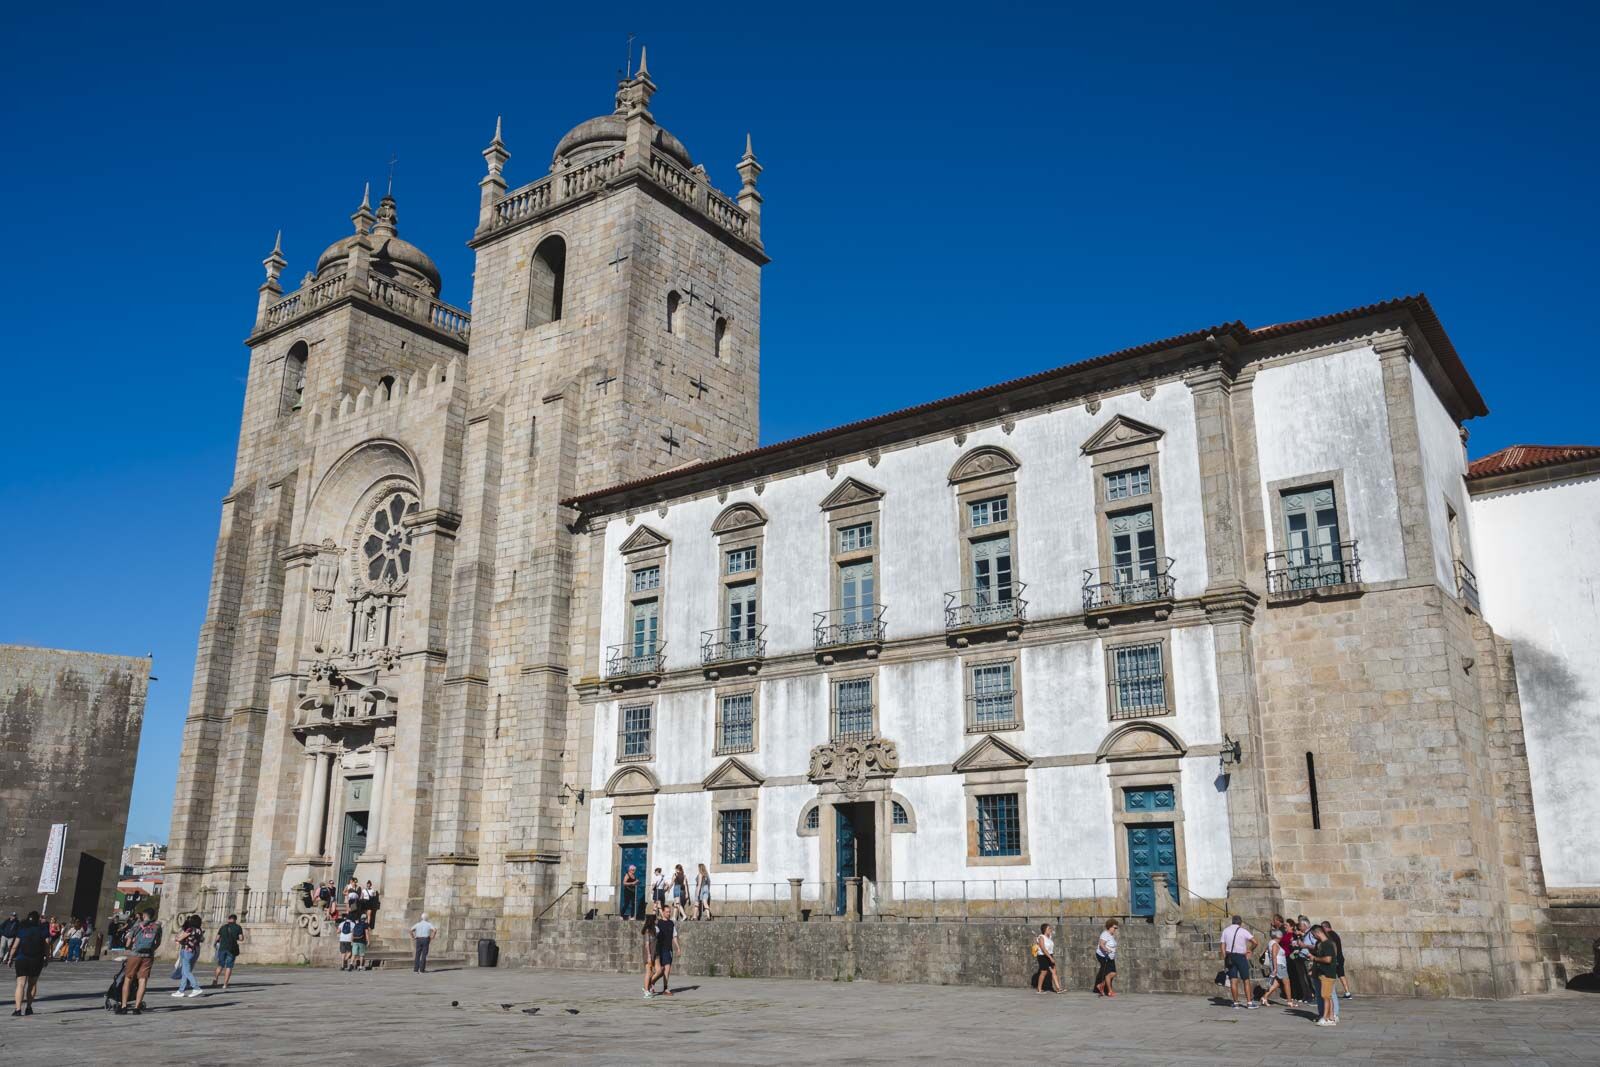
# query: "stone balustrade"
{"points": [[690, 187], [411, 303]]}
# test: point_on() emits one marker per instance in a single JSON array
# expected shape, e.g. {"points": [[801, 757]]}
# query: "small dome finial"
{"points": [[363, 215]]}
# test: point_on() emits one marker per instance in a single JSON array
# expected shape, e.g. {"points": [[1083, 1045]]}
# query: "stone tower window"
{"points": [[674, 302], [720, 339], [294, 378], [386, 383], [547, 281]]}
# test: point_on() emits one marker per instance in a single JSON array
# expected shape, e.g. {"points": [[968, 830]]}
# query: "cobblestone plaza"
{"points": [[276, 1014]]}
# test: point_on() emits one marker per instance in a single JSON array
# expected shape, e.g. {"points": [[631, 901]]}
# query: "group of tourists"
{"points": [[668, 893], [1105, 958], [1302, 961], [353, 900], [68, 942], [143, 940]]}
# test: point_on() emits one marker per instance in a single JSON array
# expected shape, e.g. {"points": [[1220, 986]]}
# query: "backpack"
{"points": [[146, 936]]}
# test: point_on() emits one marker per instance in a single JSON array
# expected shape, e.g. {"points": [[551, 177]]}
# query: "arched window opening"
{"points": [[381, 567], [386, 383], [813, 818], [719, 343], [674, 302], [547, 281], [294, 378], [899, 816]]}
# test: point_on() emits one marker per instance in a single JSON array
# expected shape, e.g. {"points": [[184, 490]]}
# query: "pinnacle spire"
{"points": [[277, 244], [644, 68], [497, 119], [749, 152], [366, 197]]}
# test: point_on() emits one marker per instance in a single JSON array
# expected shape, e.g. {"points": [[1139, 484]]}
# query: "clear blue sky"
{"points": [[949, 202]]}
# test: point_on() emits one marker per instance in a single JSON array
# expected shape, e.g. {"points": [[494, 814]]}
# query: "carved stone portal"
{"points": [[852, 763]]}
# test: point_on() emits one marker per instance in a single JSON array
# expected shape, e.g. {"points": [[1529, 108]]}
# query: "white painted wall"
{"points": [[1444, 466], [1327, 414], [1539, 590]]}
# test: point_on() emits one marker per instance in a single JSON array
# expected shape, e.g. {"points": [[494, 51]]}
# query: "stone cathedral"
{"points": [[385, 667], [505, 604]]}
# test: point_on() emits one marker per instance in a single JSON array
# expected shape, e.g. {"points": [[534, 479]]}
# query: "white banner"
{"points": [[55, 851]]}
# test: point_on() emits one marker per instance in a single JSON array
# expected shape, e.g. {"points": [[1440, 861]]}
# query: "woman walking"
{"points": [[702, 894], [649, 934], [1105, 954], [28, 957], [1277, 969], [1044, 953], [680, 893], [75, 941], [189, 941]]}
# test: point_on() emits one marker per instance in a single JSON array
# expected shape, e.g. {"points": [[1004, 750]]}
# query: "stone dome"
{"points": [[391, 254], [605, 133]]}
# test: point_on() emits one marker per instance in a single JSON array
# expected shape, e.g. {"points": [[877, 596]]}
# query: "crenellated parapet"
{"points": [[424, 390]]}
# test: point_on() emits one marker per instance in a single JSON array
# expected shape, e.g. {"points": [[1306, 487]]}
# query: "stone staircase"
{"points": [[394, 952]]}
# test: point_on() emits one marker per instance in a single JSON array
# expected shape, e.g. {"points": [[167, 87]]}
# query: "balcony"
{"points": [[1331, 570], [627, 666], [844, 630], [971, 612], [1467, 588], [1112, 591], [732, 648]]}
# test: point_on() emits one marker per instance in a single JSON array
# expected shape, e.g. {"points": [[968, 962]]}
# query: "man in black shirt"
{"points": [[29, 953], [666, 945], [229, 934]]}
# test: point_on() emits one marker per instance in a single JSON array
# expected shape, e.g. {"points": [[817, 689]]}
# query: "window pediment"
{"points": [[644, 538], [732, 773], [632, 781], [992, 754], [983, 461], [738, 517], [851, 491], [1121, 432], [1141, 741]]}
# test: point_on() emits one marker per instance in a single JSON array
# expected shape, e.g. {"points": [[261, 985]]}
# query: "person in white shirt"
{"points": [[1044, 951], [658, 888], [1237, 943], [347, 936], [1105, 954], [421, 937]]}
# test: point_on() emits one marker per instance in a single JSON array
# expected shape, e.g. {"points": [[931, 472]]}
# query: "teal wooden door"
{"points": [[1152, 847], [844, 857]]}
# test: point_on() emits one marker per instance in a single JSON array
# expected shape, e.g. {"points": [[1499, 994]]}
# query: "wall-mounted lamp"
{"points": [[1230, 752], [567, 791]]}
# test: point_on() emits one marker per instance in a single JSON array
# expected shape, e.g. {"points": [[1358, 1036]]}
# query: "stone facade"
{"points": [[504, 602], [69, 740], [382, 681]]}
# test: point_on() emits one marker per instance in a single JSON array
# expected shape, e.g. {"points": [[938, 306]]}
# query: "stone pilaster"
{"points": [[1405, 443]]}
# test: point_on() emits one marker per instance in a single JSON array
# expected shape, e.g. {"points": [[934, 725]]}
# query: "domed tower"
{"points": [[616, 333]]}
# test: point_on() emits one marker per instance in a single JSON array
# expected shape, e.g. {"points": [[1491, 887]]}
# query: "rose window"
{"points": [[386, 549]]}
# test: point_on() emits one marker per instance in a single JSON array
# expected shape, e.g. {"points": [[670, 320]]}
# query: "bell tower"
{"points": [[615, 333]]}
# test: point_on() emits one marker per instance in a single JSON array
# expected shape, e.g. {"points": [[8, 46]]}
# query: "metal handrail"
{"points": [[623, 664], [1467, 587], [848, 626], [729, 644], [1117, 586], [1313, 567], [985, 607]]}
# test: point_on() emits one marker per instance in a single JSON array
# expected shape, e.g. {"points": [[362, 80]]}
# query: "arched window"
{"points": [[546, 281], [899, 816], [719, 342], [386, 383], [294, 379], [814, 817], [381, 548], [674, 301]]}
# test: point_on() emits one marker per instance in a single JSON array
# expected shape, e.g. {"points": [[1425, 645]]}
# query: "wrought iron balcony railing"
{"points": [[851, 722], [1467, 587], [992, 711], [1114, 587], [1138, 695], [624, 661], [848, 626], [966, 608], [733, 644], [1305, 570]]}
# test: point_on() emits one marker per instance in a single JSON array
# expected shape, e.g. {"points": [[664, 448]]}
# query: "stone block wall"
{"points": [[69, 740]]}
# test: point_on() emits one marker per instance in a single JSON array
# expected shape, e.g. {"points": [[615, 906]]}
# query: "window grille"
{"points": [[735, 835], [636, 732], [852, 712], [813, 817], [999, 825], [994, 699], [736, 725], [898, 814], [1139, 681]]}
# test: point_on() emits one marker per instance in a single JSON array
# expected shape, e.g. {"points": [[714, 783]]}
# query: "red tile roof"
{"points": [[1528, 457], [1418, 306]]}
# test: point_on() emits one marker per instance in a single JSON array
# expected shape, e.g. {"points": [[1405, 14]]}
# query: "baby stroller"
{"points": [[114, 990]]}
